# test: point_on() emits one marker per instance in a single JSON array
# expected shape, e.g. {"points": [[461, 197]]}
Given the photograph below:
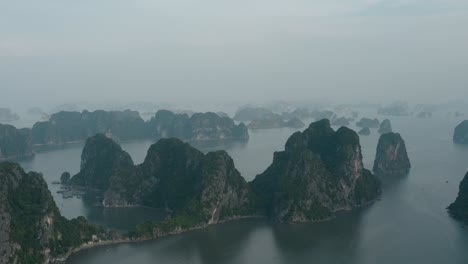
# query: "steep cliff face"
{"points": [[199, 127], [100, 159], [391, 157], [460, 135], [14, 143], [64, 127], [319, 173], [32, 229], [459, 208], [385, 127]]}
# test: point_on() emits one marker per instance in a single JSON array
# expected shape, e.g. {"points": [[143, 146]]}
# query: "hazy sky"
{"points": [[224, 50]]}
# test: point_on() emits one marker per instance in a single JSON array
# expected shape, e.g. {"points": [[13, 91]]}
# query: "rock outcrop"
{"points": [[275, 121], [391, 157], [460, 135], [459, 208], [14, 143], [367, 122], [31, 227], [364, 131], [319, 172], [174, 176], [385, 127], [101, 158]]}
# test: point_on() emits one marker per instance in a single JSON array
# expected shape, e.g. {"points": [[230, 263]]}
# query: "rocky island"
{"points": [[204, 188], [460, 135], [385, 127], [32, 230], [65, 127], [391, 157], [459, 208], [14, 143], [319, 172]]}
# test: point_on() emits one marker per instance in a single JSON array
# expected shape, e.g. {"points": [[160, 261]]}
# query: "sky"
{"points": [[55, 51]]}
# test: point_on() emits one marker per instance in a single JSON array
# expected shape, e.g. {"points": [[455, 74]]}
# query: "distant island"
{"points": [[71, 127], [275, 121]]}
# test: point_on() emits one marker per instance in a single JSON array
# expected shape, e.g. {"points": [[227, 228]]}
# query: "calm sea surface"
{"points": [[408, 225]]}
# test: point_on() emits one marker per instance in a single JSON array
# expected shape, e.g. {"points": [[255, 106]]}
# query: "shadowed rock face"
{"points": [[174, 176], [319, 173], [391, 156], [100, 159], [385, 127], [31, 227], [459, 208], [460, 135], [14, 143]]}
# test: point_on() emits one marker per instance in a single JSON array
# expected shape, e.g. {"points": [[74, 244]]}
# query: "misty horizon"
{"points": [[248, 51]]}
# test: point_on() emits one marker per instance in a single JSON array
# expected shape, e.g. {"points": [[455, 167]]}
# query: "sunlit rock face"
{"points": [[391, 157], [319, 172]]}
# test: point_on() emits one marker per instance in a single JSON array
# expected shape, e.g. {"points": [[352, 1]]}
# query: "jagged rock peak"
{"points": [[320, 172], [391, 157]]}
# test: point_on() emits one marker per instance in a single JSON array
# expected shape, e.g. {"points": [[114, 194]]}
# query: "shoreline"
{"points": [[63, 259]]}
